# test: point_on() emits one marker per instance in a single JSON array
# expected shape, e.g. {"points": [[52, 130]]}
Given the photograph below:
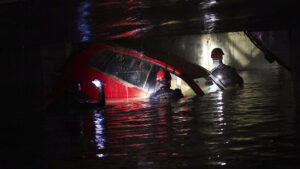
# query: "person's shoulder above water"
{"points": [[167, 94], [229, 69]]}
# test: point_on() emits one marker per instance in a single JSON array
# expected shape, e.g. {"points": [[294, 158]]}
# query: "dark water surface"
{"points": [[249, 128]]}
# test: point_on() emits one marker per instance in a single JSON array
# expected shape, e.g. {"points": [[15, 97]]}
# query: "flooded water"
{"points": [[251, 128]]}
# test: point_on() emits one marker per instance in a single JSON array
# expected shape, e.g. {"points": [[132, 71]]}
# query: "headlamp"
{"points": [[97, 83]]}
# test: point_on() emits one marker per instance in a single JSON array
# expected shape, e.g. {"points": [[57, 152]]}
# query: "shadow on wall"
{"points": [[239, 51]]}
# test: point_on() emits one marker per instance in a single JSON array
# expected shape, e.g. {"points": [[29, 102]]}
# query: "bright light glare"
{"points": [[178, 83], [99, 131], [83, 25], [208, 3], [97, 83], [100, 155], [222, 163], [220, 97], [212, 2], [219, 77]]}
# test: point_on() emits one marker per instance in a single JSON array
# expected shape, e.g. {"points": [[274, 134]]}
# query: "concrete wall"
{"points": [[239, 51], [295, 44]]}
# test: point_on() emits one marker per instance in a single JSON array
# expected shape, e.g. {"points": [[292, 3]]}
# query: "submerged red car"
{"points": [[109, 73]]}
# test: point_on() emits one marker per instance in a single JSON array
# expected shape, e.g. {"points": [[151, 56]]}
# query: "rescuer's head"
{"points": [[217, 56], [163, 77], [217, 53]]}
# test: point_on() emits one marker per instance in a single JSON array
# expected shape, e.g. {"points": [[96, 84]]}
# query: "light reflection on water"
{"points": [[247, 128]]}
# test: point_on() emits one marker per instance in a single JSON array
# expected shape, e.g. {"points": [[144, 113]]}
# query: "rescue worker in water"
{"points": [[226, 74], [165, 94]]}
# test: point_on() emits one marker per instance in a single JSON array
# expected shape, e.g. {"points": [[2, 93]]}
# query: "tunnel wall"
{"points": [[239, 51], [295, 44]]}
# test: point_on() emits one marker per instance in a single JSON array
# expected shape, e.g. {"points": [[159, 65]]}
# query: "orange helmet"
{"points": [[217, 53], [163, 77]]}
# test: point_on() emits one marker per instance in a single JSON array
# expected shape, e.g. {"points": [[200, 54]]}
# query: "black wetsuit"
{"points": [[165, 94], [229, 76]]}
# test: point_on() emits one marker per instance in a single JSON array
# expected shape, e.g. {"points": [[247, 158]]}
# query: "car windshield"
{"points": [[209, 84]]}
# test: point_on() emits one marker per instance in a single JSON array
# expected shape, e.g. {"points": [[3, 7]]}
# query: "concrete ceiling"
{"points": [[138, 18], [97, 20]]}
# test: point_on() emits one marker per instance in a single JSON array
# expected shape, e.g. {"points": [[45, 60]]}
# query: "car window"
{"points": [[151, 86], [102, 60], [125, 67]]}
